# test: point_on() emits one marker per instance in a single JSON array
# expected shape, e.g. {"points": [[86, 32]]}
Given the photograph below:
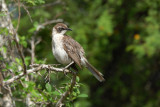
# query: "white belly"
{"points": [[58, 51]]}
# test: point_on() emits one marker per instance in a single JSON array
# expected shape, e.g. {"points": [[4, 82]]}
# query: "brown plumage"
{"points": [[73, 49], [66, 49]]}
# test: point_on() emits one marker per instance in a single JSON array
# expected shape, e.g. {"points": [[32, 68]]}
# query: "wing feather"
{"points": [[73, 49]]}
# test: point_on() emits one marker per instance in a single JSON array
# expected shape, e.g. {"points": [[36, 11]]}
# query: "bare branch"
{"points": [[33, 42], [25, 8], [29, 102], [1, 82], [16, 39], [47, 23], [19, 16], [21, 55], [32, 51], [17, 43], [38, 41], [37, 67]]}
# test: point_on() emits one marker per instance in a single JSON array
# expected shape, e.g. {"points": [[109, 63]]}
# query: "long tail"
{"points": [[95, 72]]}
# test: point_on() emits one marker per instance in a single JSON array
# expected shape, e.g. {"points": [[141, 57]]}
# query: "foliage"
{"points": [[121, 39], [34, 2]]}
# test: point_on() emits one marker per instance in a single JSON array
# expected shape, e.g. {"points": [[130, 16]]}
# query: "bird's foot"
{"points": [[66, 67], [65, 71]]}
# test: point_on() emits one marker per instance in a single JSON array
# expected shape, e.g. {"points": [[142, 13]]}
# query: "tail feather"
{"points": [[95, 72]]}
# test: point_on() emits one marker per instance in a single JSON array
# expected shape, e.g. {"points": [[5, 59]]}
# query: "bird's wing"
{"points": [[73, 49]]}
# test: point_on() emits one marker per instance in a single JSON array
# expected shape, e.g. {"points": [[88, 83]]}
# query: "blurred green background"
{"points": [[121, 39]]}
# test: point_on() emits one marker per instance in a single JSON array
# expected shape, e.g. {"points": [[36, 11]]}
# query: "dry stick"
{"points": [[1, 82], [19, 16], [25, 8], [65, 94], [21, 55], [17, 43], [32, 50], [33, 46], [37, 67], [47, 23]]}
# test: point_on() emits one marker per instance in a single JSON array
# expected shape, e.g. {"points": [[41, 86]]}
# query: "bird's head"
{"points": [[60, 28]]}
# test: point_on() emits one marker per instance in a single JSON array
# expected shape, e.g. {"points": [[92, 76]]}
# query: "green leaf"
{"points": [[2, 14], [77, 91], [34, 93], [18, 60], [77, 79], [48, 87], [74, 94], [56, 93], [4, 49], [83, 95]]}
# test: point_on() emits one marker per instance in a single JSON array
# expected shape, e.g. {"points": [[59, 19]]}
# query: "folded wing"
{"points": [[73, 49]]}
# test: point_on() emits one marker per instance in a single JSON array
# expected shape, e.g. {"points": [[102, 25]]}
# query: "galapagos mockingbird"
{"points": [[66, 50]]}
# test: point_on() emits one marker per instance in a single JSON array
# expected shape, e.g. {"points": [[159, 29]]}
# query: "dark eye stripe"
{"points": [[60, 29]]}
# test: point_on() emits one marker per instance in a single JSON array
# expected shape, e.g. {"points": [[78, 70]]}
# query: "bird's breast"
{"points": [[58, 50]]}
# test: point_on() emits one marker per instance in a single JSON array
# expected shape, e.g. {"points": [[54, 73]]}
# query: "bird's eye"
{"points": [[61, 29]]}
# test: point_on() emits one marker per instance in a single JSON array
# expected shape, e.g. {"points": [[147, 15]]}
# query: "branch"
{"points": [[25, 8], [33, 43], [16, 39], [65, 94], [32, 50], [21, 55], [29, 102], [47, 23], [19, 15], [37, 67], [17, 43]]}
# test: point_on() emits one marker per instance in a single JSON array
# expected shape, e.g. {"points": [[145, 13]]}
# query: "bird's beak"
{"points": [[68, 29]]}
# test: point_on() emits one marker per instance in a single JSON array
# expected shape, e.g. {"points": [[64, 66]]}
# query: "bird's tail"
{"points": [[95, 72]]}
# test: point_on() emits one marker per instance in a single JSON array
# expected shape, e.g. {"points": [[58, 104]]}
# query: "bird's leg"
{"points": [[67, 67]]}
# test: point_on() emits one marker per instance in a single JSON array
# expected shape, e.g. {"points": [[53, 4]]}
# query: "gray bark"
{"points": [[5, 22], [6, 54]]}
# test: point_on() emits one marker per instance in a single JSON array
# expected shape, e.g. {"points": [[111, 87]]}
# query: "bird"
{"points": [[66, 50]]}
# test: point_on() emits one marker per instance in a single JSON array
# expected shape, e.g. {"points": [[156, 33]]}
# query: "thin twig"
{"points": [[32, 42], [32, 51], [47, 23], [66, 94], [25, 8], [16, 39], [21, 55], [19, 16], [57, 89]]}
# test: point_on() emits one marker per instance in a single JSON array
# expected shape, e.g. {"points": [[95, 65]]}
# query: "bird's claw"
{"points": [[64, 71]]}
